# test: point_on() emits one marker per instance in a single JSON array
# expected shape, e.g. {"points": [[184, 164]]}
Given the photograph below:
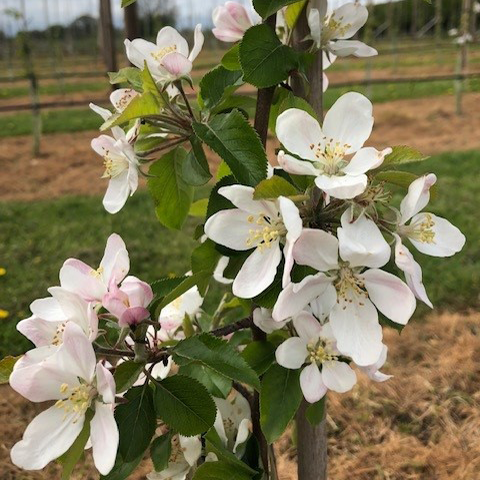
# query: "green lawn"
{"points": [[37, 237]]}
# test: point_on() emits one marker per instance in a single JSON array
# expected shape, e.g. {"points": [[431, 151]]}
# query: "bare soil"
{"points": [[423, 424], [67, 164]]}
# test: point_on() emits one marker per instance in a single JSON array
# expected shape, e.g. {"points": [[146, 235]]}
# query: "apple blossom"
{"points": [[260, 225], [315, 345], [373, 371], [326, 151], [72, 377], [262, 318], [169, 59], [92, 284], [129, 302], [119, 98], [331, 29], [218, 273], [354, 286], [231, 22]]}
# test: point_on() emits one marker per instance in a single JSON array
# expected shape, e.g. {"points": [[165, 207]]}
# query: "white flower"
{"points": [[231, 22], [328, 59], [169, 59], [50, 316], [315, 345], [119, 98], [72, 377], [349, 292], [262, 318], [331, 29], [373, 371], [428, 233], [233, 421], [184, 456], [92, 284], [218, 273], [260, 225], [326, 152]]}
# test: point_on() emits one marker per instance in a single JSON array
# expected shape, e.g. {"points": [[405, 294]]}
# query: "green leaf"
{"points": [[195, 169], [144, 105], [199, 208], [265, 8], [230, 60], [401, 179], [223, 170], [126, 374], [217, 202], [129, 75], [205, 257], [242, 103], [402, 154], [235, 141], [274, 187], [220, 471], [6, 368], [292, 13], [218, 355], [71, 457], [136, 422], [171, 194], [148, 83], [316, 412], [160, 451], [216, 384], [200, 279], [126, 3], [185, 405], [259, 355], [122, 469], [218, 84], [280, 398], [166, 285], [265, 60]]}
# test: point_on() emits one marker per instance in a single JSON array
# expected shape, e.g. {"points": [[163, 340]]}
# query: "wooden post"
{"points": [[463, 53], [131, 21], [311, 441], [414, 19], [438, 21], [107, 36]]}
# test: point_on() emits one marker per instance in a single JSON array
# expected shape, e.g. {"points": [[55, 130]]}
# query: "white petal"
{"points": [[192, 448], [390, 295], [296, 296], [291, 218], [84, 284], [343, 48], [295, 166], [448, 239], [168, 37], [338, 376], [373, 371], [115, 262], [243, 433], [312, 384], [139, 50], [105, 384], [230, 228], [242, 197], [417, 197], [355, 326], [48, 309], [258, 272], [104, 436], [103, 112], [292, 353], [343, 187], [315, 25], [322, 305], [317, 249], [361, 242], [367, 158], [299, 133], [198, 40], [117, 193], [38, 331], [262, 318], [47, 437], [349, 121], [307, 327], [218, 274], [121, 97], [352, 17]]}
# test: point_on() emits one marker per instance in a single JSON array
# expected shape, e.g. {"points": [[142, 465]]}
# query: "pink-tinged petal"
{"points": [[292, 353], [139, 50], [38, 331], [361, 242], [367, 158], [317, 249], [88, 286], [74, 307], [227, 35], [344, 48], [47, 437], [177, 65], [103, 112], [139, 293], [299, 133], [258, 271], [342, 187], [390, 295], [373, 371], [354, 322], [115, 262], [413, 272], [312, 384], [338, 376], [76, 355], [78, 264], [115, 303], [349, 121], [104, 436], [105, 383], [447, 238], [307, 326], [296, 296], [121, 97], [168, 37], [48, 309], [239, 14], [352, 17], [133, 316], [262, 318], [230, 228], [198, 41], [295, 166], [322, 305], [103, 145], [117, 193], [417, 197]]}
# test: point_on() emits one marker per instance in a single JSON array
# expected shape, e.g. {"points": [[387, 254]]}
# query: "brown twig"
{"points": [[234, 327]]}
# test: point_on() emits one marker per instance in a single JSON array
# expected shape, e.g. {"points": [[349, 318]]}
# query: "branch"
{"points": [[234, 327], [112, 352]]}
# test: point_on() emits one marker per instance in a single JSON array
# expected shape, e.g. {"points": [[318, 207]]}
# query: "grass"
{"points": [[38, 236], [54, 89]]}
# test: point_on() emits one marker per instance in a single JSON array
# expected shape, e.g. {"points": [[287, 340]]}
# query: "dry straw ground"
{"points": [[424, 424]]}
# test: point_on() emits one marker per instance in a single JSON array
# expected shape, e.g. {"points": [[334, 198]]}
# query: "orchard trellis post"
{"points": [[107, 35]]}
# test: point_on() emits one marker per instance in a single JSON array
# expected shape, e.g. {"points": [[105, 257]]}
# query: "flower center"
{"points": [[77, 399], [266, 231], [320, 352], [159, 54], [113, 165], [58, 337], [334, 28], [349, 283], [96, 273], [331, 156], [421, 230]]}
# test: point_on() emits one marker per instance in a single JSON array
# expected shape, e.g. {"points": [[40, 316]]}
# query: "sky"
{"points": [[64, 11]]}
